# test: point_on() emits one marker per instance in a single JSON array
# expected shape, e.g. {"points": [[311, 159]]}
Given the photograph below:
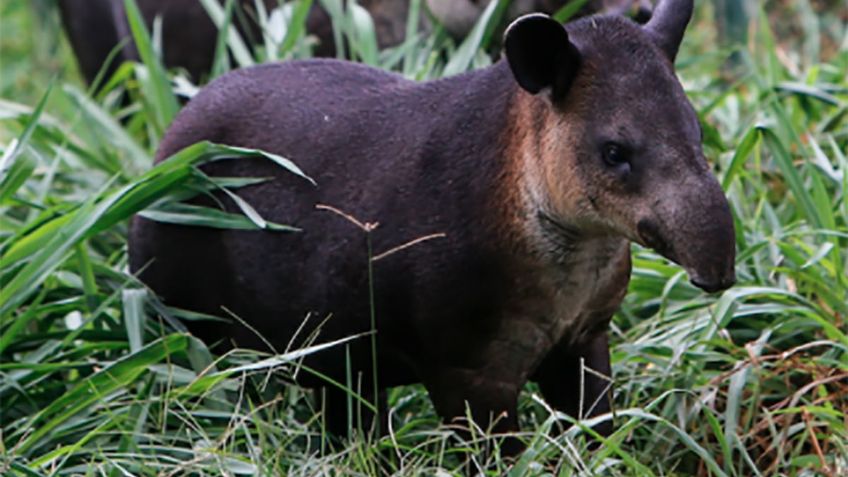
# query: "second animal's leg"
{"points": [[576, 379], [336, 403]]}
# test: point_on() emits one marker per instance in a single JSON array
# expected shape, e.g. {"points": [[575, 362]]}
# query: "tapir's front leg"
{"points": [[565, 385], [492, 401]]}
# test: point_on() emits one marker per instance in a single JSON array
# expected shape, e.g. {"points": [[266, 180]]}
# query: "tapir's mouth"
{"points": [[713, 286]]}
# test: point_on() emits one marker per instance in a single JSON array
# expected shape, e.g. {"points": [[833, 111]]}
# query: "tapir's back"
{"points": [[352, 128], [280, 105], [379, 147], [321, 115]]}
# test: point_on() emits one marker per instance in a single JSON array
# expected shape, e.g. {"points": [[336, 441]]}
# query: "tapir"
{"points": [[96, 27], [501, 203]]}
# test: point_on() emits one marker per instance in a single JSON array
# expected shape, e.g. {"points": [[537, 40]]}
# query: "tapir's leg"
{"points": [[565, 386], [493, 403]]}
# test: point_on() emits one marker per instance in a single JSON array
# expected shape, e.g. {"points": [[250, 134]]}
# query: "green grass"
{"points": [[96, 378]]}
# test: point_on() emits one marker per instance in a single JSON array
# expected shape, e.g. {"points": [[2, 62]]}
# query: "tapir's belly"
{"points": [[431, 313]]}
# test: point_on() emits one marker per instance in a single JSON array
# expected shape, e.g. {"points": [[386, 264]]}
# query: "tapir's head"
{"points": [[618, 145]]}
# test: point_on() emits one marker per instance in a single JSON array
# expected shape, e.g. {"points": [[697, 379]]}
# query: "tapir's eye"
{"points": [[616, 156]]}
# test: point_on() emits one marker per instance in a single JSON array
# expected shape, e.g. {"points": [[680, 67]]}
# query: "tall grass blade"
{"points": [[163, 101]]}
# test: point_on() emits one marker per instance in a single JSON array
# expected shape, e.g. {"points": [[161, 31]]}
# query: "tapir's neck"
{"points": [[515, 122], [499, 140], [491, 136], [527, 131]]}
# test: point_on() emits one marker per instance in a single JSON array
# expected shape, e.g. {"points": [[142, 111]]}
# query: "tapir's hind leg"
{"points": [[566, 386]]}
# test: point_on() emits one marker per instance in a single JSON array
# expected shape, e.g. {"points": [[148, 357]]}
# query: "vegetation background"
{"points": [[95, 378]]}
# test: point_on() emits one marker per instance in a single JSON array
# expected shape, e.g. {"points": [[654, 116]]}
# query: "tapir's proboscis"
{"points": [[531, 177]]}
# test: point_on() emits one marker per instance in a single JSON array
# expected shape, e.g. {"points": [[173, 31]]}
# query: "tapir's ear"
{"points": [[668, 24], [540, 54]]}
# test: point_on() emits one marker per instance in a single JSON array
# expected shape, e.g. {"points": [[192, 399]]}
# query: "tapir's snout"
{"points": [[694, 229], [715, 270]]}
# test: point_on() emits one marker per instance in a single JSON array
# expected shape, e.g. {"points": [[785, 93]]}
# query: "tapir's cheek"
{"points": [[621, 173], [620, 185], [651, 236]]}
